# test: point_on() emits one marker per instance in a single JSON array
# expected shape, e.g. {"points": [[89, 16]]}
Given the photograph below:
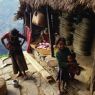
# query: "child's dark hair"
{"points": [[73, 54], [60, 39]]}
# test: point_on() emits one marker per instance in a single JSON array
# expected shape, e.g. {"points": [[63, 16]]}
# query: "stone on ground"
{"points": [[29, 88], [3, 89], [12, 91]]}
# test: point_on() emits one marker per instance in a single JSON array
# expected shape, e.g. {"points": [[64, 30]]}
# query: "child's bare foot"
{"points": [[20, 74], [25, 77], [59, 92]]}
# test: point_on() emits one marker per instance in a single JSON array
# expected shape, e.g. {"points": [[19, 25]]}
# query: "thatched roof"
{"points": [[59, 5], [67, 5]]}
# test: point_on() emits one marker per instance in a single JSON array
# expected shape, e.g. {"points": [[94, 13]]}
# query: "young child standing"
{"points": [[72, 65], [61, 55]]}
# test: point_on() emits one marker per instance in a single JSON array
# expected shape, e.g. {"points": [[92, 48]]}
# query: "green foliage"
{"points": [[3, 56]]}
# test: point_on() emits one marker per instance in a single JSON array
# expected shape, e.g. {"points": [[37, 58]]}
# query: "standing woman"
{"points": [[14, 44]]}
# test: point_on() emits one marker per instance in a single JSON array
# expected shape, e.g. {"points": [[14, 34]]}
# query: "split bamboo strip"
{"points": [[38, 67]]}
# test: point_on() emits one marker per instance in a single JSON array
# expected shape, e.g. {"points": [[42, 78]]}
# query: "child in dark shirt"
{"points": [[72, 65], [61, 55]]}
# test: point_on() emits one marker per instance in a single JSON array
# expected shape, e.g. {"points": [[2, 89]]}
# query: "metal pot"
{"points": [[39, 19]]}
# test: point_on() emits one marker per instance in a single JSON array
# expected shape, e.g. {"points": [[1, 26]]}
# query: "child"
{"points": [[61, 55], [72, 65]]}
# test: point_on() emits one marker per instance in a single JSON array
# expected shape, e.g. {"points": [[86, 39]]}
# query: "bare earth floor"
{"points": [[35, 84]]}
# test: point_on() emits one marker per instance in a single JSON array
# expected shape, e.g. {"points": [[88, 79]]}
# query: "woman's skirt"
{"points": [[19, 63]]}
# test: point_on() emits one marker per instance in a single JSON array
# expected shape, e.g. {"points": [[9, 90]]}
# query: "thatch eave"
{"points": [[61, 5]]}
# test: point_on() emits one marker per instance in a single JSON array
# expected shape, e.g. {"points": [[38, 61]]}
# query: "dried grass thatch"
{"points": [[67, 5], [60, 5]]}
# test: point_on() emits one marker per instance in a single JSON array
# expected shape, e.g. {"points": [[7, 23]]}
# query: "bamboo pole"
{"points": [[24, 24], [38, 67], [92, 76], [30, 21], [50, 30]]}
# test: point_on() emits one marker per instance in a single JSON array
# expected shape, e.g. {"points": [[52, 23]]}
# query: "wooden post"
{"points": [[92, 76], [24, 19], [50, 30], [30, 20], [24, 24]]}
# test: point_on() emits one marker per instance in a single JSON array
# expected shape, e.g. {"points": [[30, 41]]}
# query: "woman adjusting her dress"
{"points": [[14, 45]]}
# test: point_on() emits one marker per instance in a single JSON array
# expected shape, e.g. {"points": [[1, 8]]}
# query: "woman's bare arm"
{"points": [[2, 40], [22, 37]]}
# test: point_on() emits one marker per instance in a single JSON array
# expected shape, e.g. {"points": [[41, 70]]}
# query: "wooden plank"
{"points": [[93, 76], [38, 67]]}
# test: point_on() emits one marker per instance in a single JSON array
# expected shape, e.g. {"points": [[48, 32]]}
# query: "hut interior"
{"points": [[74, 20]]}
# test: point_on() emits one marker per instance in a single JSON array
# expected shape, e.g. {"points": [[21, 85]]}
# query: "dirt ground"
{"points": [[36, 85]]}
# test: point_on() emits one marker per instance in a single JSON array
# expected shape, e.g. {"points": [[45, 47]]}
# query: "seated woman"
{"points": [[45, 36], [44, 40]]}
